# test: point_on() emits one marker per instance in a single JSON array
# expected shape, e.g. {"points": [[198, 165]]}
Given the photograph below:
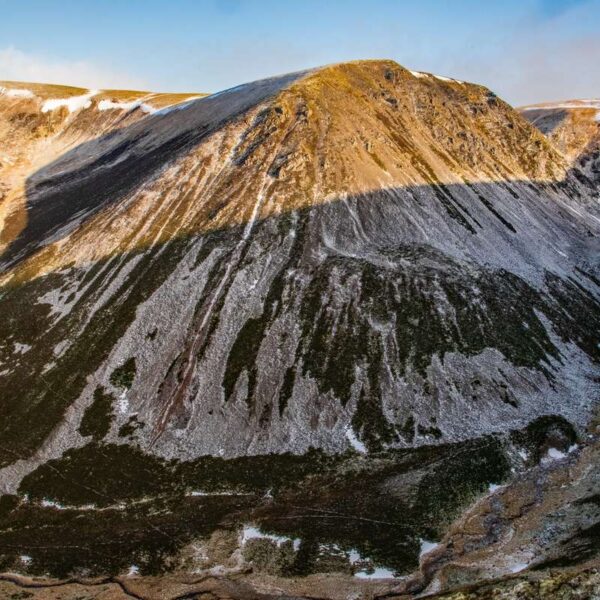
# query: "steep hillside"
{"points": [[355, 253], [573, 127], [338, 304]]}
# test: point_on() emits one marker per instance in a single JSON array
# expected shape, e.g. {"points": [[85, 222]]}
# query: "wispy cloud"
{"points": [[22, 66], [539, 59]]}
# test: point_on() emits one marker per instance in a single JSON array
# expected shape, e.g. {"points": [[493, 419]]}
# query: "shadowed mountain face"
{"points": [[242, 294], [354, 255]]}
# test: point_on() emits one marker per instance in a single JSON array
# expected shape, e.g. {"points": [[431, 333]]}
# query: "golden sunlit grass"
{"points": [[45, 90], [160, 100], [122, 95]]}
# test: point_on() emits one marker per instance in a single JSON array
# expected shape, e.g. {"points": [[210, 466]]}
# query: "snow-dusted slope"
{"points": [[352, 249], [573, 126]]}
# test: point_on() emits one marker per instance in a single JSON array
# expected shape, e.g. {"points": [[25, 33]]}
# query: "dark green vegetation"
{"points": [[98, 416], [106, 474], [379, 506], [66, 542], [382, 507], [123, 376]]}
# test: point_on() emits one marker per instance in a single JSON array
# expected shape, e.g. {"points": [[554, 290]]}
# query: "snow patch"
{"points": [[355, 557], [494, 487], [133, 570], [518, 567], [45, 503], [25, 559], [52, 504], [556, 454], [377, 573], [123, 403], [127, 106], [22, 348], [252, 533], [552, 455], [354, 441], [73, 103], [426, 547], [419, 74], [16, 93]]}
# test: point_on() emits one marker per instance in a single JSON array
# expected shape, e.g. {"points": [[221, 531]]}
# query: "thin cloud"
{"points": [[22, 66], [539, 60]]}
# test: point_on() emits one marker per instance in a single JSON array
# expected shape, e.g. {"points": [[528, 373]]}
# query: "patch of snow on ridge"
{"points": [[128, 106], [73, 103], [426, 547], [449, 79], [178, 106], [354, 441], [587, 103], [419, 74], [378, 573], [253, 533], [16, 93]]}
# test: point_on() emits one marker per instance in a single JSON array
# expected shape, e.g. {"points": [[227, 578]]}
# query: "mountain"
{"points": [[358, 275], [573, 126]]}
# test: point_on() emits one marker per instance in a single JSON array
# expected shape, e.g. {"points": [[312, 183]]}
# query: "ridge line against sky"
{"points": [[527, 51]]}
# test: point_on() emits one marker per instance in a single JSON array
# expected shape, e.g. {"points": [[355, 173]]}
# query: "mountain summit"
{"points": [[366, 286], [353, 252]]}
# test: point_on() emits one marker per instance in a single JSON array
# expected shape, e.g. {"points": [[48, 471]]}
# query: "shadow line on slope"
{"points": [[39, 387], [110, 167]]}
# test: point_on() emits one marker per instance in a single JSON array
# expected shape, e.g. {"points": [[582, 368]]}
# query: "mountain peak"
{"points": [[260, 284]]}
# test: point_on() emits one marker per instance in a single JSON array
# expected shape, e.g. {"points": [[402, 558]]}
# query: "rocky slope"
{"points": [[357, 250], [573, 127], [354, 258], [39, 123]]}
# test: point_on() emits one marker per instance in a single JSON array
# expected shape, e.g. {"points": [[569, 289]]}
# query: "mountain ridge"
{"points": [[381, 139], [294, 329]]}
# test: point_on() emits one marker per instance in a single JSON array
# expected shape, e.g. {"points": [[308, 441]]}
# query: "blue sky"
{"points": [[527, 51]]}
